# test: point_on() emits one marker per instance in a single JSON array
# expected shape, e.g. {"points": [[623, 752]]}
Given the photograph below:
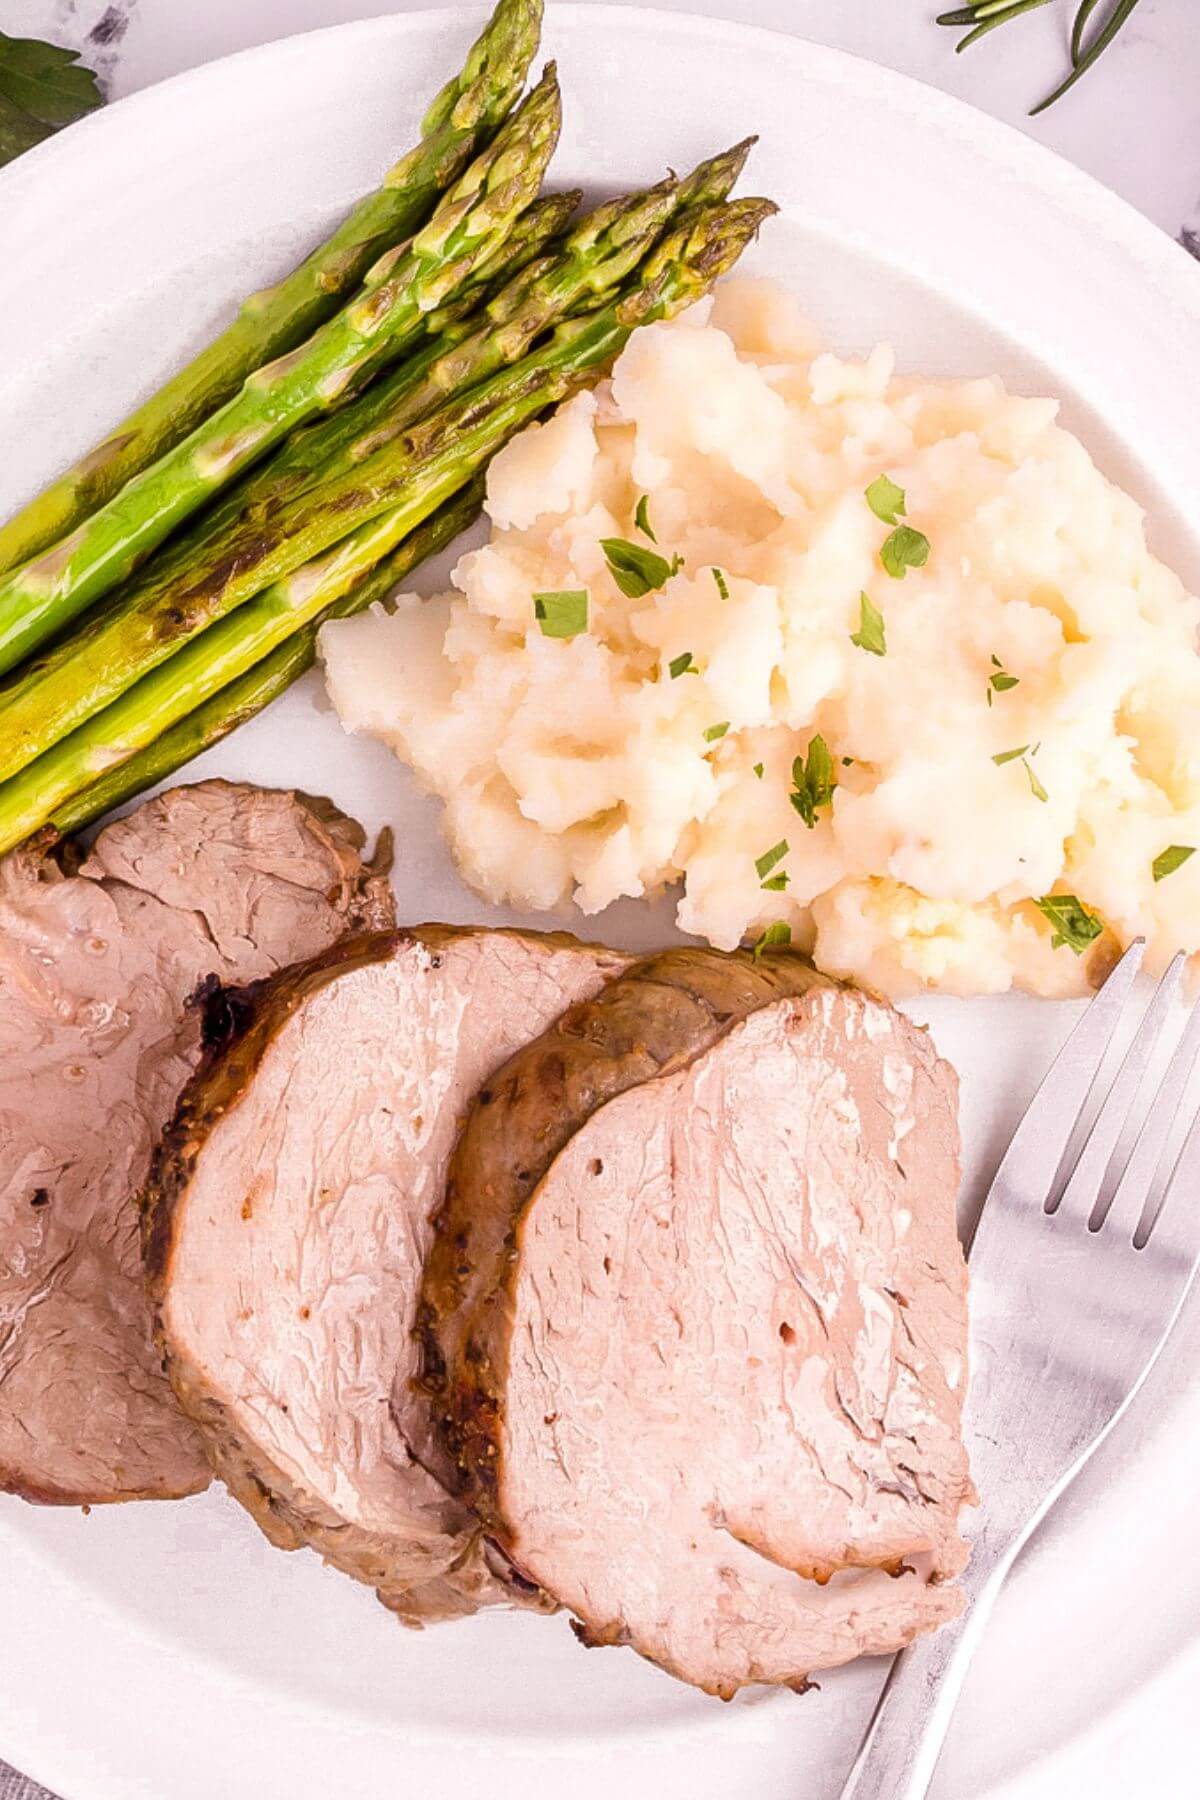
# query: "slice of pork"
{"points": [[287, 1224], [716, 1410], [665, 1009], [96, 1040]]}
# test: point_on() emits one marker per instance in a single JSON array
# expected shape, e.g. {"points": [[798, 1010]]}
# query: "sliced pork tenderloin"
{"points": [[287, 1222], [665, 1009], [708, 1384], [97, 1037]]}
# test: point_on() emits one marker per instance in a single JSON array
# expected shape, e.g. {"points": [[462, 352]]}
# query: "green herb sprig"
{"points": [[872, 631], [1074, 926], [42, 88], [1172, 858], [562, 614], [766, 862], [776, 934], [1000, 681], [982, 16], [812, 781], [636, 570]]}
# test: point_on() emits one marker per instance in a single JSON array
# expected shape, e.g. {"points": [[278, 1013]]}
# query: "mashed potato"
{"points": [[1031, 728]]}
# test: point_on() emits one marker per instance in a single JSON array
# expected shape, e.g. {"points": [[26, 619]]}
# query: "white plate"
{"points": [[165, 1650]]}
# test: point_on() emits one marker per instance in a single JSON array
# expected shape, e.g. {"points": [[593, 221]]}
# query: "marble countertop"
{"points": [[1134, 123]]}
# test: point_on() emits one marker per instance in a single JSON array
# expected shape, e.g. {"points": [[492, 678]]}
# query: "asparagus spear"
{"points": [[290, 469], [231, 706], [378, 325], [532, 232], [187, 590], [468, 109], [600, 251], [382, 501]]}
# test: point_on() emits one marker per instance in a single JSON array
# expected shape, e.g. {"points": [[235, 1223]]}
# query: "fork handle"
{"points": [[907, 1731]]}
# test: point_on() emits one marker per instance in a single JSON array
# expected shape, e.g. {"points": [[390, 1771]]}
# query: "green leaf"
{"points": [[905, 549], [871, 634], [722, 584], [1172, 858], [1001, 681], [758, 770], [1007, 756], [1073, 924], [766, 862], [1035, 786], [1083, 59], [988, 15], [42, 88], [563, 614], [641, 518], [813, 781], [776, 884], [885, 499], [778, 933], [682, 665], [716, 731], [637, 571]]}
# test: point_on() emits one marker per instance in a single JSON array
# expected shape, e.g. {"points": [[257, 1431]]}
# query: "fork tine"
{"points": [[1041, 1139], [1179, 1235], [1083, 1189], [1135, 1190]]}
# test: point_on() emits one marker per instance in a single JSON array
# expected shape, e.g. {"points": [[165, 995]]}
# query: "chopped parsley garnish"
{"points": [[766, 862], [778, 933], [1001, 681], [1172, 858], [1022, 753], [682, 665], [722, 584], [758, 770], [905, 549], [563, 614], [812, 779], [641, 518], [776, 883], [885, 499], [1073, 924], [716, 731], [637, 571], [871, 634]]}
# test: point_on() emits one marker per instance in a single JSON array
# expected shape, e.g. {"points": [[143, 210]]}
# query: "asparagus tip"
{"points": [[713, 178]]}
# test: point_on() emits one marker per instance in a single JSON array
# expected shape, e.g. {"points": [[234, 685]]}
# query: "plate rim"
{"points": [[1137, 237], [1146, 238]]}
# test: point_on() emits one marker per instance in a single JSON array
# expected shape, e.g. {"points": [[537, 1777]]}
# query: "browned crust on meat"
{"points": [[239, 1026], [663, 1013], [361, 890]]}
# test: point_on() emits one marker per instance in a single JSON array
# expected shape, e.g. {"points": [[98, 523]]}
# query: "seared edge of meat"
{"points": [[662, 1013], [920, 1549], [239, 1028], [151, 894]]}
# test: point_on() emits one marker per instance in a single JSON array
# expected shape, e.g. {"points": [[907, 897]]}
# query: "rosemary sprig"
{"points": [[982, 16]]}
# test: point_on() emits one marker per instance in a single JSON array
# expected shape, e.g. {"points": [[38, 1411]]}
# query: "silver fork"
{"points": [[1079, 1267]]}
